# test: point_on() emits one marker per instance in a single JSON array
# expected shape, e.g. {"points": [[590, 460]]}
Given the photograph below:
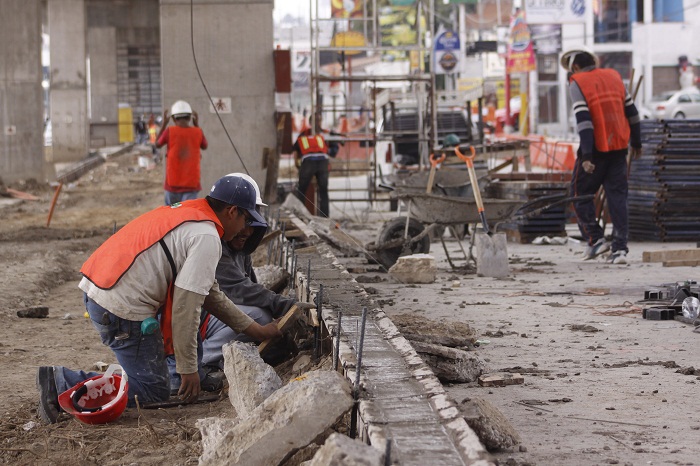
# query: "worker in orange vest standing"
{"points": [[182, 163], [607, 122], [311, 157]]}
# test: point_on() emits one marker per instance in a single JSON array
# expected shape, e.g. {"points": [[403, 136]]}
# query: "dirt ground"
{"points": [[608, 397]]}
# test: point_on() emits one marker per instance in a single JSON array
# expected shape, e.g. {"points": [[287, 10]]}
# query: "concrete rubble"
{"points": [[272, 277], [450, 364], [416, 268], [492, 427], [251, 380], [289, 419], [342, 450]]}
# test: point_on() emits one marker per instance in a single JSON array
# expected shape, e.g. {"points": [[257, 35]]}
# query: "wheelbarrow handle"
{"points": [[467, 158], [435, 161]]}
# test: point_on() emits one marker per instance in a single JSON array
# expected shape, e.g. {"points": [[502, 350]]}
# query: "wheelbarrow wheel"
{"points": [[394, 229]]}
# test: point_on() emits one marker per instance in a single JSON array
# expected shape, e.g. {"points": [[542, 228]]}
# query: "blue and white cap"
{"points": [[237, 191]]}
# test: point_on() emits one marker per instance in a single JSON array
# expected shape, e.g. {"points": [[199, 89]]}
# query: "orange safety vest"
{"points": [[108, 264], [605, 95], [152, 133], [312, 145], [182, 169]]}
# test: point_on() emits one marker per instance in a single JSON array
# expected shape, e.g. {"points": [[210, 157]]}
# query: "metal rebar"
{"points": [[287, 263], [277, 221], [387, 452], [269, 251], [336, 349], [317, 330], [308, 281], [356, 387]]}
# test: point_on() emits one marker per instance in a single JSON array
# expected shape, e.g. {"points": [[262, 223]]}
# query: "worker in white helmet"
{"points": [[182, 163], [607, 122]]}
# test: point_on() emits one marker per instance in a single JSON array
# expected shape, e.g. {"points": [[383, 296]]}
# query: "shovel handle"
{"points": [[467, 158], [435, 161]]}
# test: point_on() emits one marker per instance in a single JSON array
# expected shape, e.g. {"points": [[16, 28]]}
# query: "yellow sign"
{"points": [[126, 125], [501, 91], [349, 39]]}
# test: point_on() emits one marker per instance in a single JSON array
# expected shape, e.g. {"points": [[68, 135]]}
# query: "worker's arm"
{"points": [[584, 123], [218, 305], [185, 325], [163, 125], [236, 279]]}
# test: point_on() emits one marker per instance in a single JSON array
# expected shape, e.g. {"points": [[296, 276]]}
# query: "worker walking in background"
{"points": [[182, 163], [161, 263], [607, 122], [311, 157]]}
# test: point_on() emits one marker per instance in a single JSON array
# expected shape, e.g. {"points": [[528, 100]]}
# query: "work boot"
{"points": [[49, 408], [596, 249], [215, 379]]}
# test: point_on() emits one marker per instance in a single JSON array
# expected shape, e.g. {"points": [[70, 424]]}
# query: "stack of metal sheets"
{"points": [[664, 201]]}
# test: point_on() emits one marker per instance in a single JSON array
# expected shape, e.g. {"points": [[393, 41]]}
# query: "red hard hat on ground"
{"points": [[98, 400]]}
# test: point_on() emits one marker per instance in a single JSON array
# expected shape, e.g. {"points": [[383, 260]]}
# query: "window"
{"points": [[612, 20], [619, 61], [548, 95], [668, 11]]}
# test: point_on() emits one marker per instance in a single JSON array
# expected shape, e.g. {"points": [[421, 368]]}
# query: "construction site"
{"points": [[448, 309]]}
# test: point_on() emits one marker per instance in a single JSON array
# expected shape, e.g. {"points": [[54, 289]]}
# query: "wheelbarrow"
{"points": [[410, 234]]}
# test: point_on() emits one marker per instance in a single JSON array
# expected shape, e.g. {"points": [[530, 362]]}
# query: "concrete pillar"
{"points": [[21, 107], [68, 95], [233, 42], [102, 50]]}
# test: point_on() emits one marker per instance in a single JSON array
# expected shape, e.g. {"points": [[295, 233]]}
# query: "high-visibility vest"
{"points": [[605, 96], [182, 169], [108, 264], [312, 145]]}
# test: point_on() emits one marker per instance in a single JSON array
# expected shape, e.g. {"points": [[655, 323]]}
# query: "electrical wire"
{"points": [[194, 57]]}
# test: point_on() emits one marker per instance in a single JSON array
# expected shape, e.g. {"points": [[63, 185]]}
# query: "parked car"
{"points": [[674, 104]]}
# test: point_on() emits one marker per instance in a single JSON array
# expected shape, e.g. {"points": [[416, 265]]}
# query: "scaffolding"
{"points": [[368, 63]]}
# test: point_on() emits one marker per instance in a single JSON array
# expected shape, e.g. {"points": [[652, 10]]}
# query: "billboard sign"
{"points": [[556, 11]]}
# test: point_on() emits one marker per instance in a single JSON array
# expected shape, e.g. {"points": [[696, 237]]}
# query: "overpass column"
{"points": [[68, 94], [21, 107]]}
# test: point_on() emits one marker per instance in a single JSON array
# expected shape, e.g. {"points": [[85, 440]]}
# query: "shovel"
{"points": [[433, 166], [491, 251]]}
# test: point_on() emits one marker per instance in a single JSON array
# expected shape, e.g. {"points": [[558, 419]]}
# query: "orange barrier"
{"points": [[548, 153]]}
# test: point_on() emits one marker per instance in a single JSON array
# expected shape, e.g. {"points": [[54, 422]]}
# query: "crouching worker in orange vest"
{"points": [[163, 262]]}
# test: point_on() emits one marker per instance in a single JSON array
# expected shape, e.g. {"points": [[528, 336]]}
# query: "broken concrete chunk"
{"points": [[417, 328], [500, 379], [584, 328], [212, 428], [492, 427], [416, 268], [291, 418], [36, 312], [340, 449], [450, 364], [251, 380]]}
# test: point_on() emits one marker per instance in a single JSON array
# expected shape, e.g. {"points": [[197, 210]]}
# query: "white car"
{"points": [[674, 104]]}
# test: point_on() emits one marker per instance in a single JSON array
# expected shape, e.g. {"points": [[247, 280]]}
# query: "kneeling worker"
{"points": [[237, 280], [163, 261]]}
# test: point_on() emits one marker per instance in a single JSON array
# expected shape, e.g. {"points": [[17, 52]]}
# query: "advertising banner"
{"points": [[446, 58], [556, 11], [520, 57]]}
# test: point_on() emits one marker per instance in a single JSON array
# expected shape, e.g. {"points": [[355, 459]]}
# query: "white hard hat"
{"points": [[567, 59], [181, 108], [258, 199]]}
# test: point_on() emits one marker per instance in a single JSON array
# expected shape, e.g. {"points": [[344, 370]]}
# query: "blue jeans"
{"points": [[141, 356], [171, 198], [218, 334]]}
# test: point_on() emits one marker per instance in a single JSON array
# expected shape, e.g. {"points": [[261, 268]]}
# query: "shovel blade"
{"points": [[491, 255]]}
